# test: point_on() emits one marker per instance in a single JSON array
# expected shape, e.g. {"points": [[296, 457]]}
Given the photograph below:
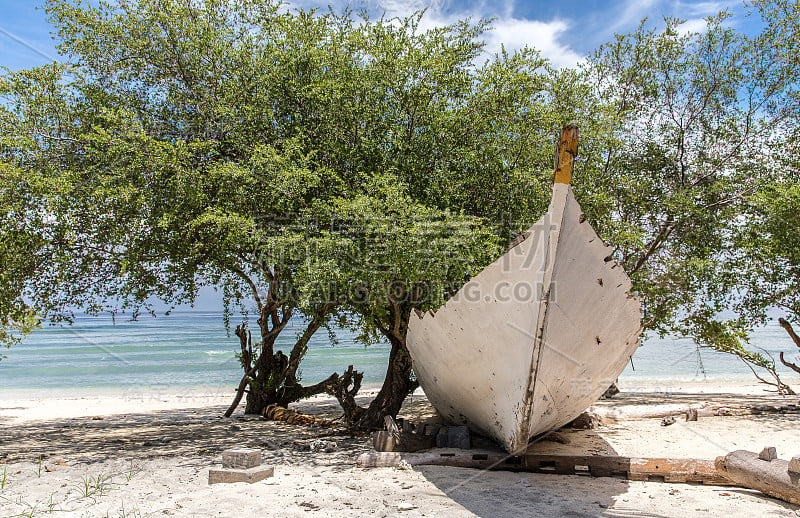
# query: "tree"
{"points": [[19, 247], [762, 266], [765, 264], [175, 142], [205, 144], [687, 117], [768, 260]]}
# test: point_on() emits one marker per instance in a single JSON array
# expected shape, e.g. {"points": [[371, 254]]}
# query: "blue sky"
{"points": [[564, 31]]}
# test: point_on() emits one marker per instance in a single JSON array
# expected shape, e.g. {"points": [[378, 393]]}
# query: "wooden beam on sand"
{"points": [[633, 468], [702, 410], [772, 477]]}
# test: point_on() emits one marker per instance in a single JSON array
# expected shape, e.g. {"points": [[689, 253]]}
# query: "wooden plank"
{"points": [[701, 409], [632, 468], [565, 155], [773, 477]]}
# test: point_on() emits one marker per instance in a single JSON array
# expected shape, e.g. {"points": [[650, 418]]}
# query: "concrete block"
{"points": [[458, 437], [794, 464], [227, 476], [454, 437], [769, 453], [241, 458]]}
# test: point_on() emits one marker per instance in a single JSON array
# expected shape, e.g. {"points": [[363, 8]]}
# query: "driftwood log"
{"points": [[702, 410], [632, 468], [278, 413], [771, 477]]}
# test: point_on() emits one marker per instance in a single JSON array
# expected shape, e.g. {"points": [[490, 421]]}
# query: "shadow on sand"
{"points": [[533, 494], [200, 435], [188, 432]]}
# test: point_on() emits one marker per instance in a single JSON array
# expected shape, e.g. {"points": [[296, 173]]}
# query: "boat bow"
{"points": [[538, 335]]}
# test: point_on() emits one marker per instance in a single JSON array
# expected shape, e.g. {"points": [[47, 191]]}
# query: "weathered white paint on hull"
{"points": [[535, 338], [592, 327]]}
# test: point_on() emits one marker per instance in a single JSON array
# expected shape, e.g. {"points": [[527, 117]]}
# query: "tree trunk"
{"points": [[272, 377], [279, 385], [267, 380], [246, 343], [398, 383], [796, 339], [746, 469]]}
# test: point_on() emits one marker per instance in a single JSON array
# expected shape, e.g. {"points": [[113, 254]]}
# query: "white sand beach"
{"points": [[150, 456]]}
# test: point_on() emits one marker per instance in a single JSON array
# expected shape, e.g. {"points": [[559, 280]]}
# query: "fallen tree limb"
{"points": [[703, 410], [278, 413], [771, 477], [632, 468], [648, 411]]}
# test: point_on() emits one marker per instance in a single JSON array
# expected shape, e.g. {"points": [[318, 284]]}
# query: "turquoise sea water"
{"points": [[191, 352]]}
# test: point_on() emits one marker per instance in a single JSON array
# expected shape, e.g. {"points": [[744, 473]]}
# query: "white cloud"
{"points": [[515, 33], [547, 36], [632, 12], [508, 30], [700, 9], [693, 25]]}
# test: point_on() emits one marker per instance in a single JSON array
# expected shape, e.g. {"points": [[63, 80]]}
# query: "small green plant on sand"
{"points": [[30, 510], [51, 504], [133, 469], [94, 486], [131, 513]]}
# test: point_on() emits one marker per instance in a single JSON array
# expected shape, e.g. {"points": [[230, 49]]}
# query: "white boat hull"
{"points": [[535, 338]]}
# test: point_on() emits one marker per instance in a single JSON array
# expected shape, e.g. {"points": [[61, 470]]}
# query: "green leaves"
{"points": [[220, 143], [308, 161], [20, 249], [767, 262], [681, 153]]}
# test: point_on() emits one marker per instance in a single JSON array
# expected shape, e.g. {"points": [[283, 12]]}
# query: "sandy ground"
{"points": [[131, 457]]}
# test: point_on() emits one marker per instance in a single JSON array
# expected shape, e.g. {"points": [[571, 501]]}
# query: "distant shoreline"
{"points": [[222, 392], [189, 353], [108, 401]]}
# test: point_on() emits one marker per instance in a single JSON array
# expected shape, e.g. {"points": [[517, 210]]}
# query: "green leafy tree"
{"points": [[206, 144], [687, 122], [767, 260], [765, 265], [180, 143]]}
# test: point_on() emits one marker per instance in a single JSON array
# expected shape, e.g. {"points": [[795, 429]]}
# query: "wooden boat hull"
{"points": [[535, 338]]}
